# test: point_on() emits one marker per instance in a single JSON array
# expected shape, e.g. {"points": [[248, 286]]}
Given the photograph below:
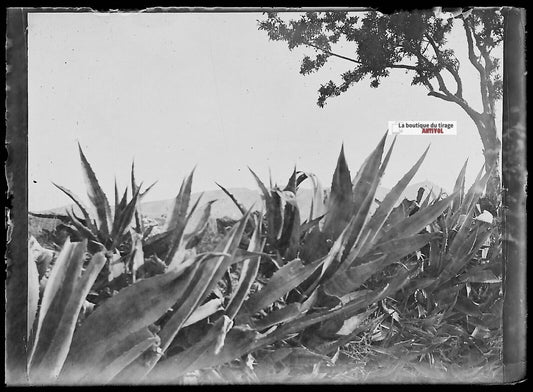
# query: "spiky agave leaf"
{"points": [[340, 201], [273, 212], [233, 199], [230, 245], [307, 226], [332, 260], [283, 217], [88, 219], [249, 270], [459, 188], [193, 235], [137, 254], [139, 226], [287, 313], [381, 214], [360, 218], [387, 158], [34, 251], [346, 203], [239, 341], [475, 191], [177, 221], [96, 196], [318, 207], [116, 197], [196, 356], [63, 297], [70, 256], [364, 267], [148, 189], [344, 281], [428, 199], [203, 311], [166, 244], [120, 354], [288, 241], [285, 279], [368, 177], [201, 283], [82, 229], [345, 310], [292, 184], [123, 221], [365, 186], [133, 308], [121, 205], [60, 217], [340, 207], [415, 223], [463, 254], [180, 205], [220, 346]]}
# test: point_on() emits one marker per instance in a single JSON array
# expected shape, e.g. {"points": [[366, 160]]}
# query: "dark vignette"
{"points": [[514, 176]]}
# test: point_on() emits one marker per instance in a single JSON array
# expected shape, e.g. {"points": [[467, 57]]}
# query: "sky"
{"points": [[174, 91]]}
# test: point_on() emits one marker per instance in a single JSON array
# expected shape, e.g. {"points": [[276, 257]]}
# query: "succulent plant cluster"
{"points": [[125, 301]]}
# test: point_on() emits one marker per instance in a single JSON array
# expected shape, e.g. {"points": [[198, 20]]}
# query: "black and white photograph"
{"points": [[252, 196]]}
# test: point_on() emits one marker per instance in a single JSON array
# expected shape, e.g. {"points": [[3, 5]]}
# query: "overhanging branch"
{"points": [[332, 53], [473, 114], [393, 66]]}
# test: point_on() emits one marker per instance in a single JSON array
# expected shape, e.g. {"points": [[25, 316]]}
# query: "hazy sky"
{"points": [[177, 90]]}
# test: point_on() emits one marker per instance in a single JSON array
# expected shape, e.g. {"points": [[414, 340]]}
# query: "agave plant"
{"points": [[58, 308], [176, 235], [114, 231], [457, 296], [348, 245], [334, 271], [123, 338], [324, 288], [99, 225]]}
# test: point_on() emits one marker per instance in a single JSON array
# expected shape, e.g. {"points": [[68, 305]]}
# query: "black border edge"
{"points": [[514, 178], [16, 172]]}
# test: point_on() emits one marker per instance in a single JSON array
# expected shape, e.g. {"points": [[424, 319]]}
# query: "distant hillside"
{"points": [[224, 207]]}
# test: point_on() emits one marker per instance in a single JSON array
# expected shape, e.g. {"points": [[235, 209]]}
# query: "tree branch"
{"points": [[473, 114], [447, 96], [475, 62], [428, 84], [332, 54], [406, 66], [444, 94], [489, 65], [392, 66], [438, 76], [436, 94], [396, 66], [449, 68]]}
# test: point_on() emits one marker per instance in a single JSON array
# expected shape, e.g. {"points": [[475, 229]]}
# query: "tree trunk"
{"points": [[491, 151]]}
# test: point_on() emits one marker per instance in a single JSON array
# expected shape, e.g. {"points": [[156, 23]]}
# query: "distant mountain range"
{"points": [[224, 207]]}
